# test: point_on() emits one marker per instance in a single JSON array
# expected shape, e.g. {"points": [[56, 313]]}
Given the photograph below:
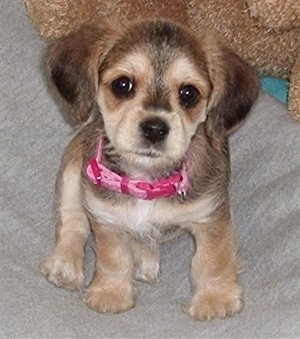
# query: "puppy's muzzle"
{"points": [[154, 130]]}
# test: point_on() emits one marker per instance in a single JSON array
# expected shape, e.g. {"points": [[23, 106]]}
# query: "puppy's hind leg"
{"points": [[111, 290], [65, 266], [146, 261]]}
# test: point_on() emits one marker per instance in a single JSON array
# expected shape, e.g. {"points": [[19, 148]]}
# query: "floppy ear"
{"points": [[235, 88], [73, 63]]}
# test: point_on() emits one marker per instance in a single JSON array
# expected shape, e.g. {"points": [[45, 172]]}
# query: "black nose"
{"points": [[154, 129]]}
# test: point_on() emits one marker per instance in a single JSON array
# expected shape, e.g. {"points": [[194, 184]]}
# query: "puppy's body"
{"points": [[143, 217], [165, 99]]}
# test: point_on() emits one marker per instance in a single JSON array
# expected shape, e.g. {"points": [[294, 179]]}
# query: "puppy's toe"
{"points": [[109, 298], [63, 273], [211, 306]]}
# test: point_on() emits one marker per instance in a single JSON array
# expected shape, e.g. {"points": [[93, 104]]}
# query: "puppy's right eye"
{"points": [[122, 87]]}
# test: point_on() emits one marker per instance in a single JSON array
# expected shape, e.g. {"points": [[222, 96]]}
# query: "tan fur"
{"points": [[111, 289], [160, 58], [182, 71], [214, 271], [65, 267]]}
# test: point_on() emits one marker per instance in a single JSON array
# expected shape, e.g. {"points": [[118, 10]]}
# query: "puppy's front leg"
{"points": [[214, 272], [111, 289], [64, 267]]}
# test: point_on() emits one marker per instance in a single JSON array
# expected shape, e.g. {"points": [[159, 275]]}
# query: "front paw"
{"points": [[110, 297], [64, 272], [215, 305]]}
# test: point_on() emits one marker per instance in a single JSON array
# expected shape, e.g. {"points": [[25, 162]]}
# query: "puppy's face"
{"points": [[153, 94], [154, 83]]}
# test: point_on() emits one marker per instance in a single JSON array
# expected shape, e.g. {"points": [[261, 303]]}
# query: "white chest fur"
{"points": [[150, 217]]}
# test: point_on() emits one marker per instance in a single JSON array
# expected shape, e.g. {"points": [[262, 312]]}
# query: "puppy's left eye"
{"points": [[188, 96], [122, 87]]}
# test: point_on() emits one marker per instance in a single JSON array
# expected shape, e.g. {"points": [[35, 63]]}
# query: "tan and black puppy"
{"points": [[152, 157]]}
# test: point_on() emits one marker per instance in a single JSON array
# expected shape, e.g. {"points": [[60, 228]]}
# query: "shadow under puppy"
{"points": [[153, 156]]}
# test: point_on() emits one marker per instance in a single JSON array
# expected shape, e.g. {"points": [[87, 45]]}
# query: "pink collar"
{"points": [[101, 176]]}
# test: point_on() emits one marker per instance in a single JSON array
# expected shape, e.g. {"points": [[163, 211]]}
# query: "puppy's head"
{"points": [[154, 83]]}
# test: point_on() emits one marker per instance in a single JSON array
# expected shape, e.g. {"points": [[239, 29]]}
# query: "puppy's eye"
{"points": [[122, 87], [188, 96]]}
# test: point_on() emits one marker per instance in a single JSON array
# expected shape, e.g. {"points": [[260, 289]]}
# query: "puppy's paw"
{"points": [[63, 273], [209, 306], [109, 297], [147, 270]]}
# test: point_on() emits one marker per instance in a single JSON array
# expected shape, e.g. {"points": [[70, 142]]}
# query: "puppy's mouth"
{"points": [[149, 153]]}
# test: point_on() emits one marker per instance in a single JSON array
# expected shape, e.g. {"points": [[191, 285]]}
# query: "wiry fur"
{"points": [[160, 57]]}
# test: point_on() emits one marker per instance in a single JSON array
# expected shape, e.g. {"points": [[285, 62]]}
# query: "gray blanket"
{"points": [[265, 192]]}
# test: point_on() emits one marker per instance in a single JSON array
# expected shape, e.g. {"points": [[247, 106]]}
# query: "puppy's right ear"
{"points": [[73, 63], [235, 87]]}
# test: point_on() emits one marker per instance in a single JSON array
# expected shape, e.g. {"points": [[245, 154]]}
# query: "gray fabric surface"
{"points": [[266, 205]]}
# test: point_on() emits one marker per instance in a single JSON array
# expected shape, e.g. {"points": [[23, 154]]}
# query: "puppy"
{"points": [[152, 156]]}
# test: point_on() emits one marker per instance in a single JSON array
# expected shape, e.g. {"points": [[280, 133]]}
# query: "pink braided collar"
{"points": [[101, 176]]}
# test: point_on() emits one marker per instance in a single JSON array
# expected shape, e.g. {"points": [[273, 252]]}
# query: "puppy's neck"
{"points": [[146, 170], [137, 173]]}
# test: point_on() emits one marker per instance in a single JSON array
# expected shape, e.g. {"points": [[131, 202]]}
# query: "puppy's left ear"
{"points": [[235, 88], [69, 65], [73, 63]]}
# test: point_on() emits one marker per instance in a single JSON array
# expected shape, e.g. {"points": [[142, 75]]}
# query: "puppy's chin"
{"points": [[149, 161]]}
